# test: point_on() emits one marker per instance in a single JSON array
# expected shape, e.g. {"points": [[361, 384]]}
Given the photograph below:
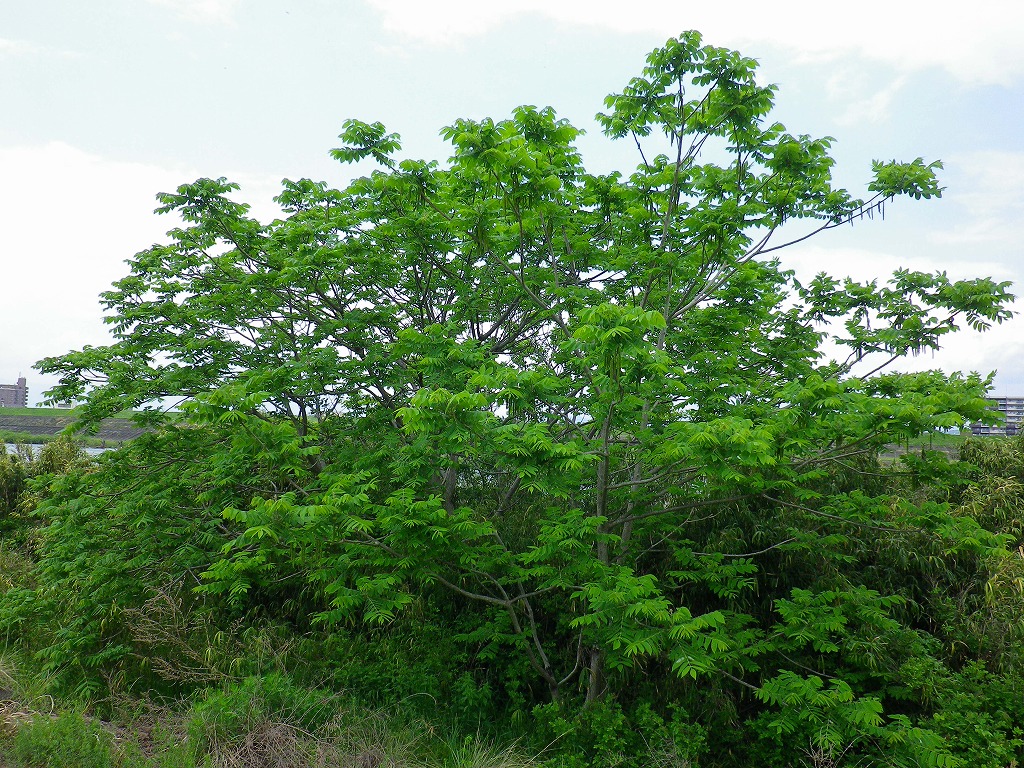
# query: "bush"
{"points": [[68, 741], [271, 706], [605, 734]]}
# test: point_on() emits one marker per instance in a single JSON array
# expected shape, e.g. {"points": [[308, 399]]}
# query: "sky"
{"points": [[104, 104]]}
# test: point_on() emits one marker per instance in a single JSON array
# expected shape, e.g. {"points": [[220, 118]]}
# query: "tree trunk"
{"points": [[595, 686]]}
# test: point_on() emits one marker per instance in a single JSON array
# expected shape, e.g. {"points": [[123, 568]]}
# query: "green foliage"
{"points": [[584, 424], [14, 473], [159, 747], [607, 735], [67, 741], [94, 560], [976, 711], [32, 438], [221, 718], [24, 477]]}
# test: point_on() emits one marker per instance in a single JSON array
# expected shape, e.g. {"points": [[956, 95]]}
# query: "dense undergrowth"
{"points": [[161, 676]]}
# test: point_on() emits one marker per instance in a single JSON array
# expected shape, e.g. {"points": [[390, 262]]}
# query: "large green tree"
{"points": [[594, 406]]}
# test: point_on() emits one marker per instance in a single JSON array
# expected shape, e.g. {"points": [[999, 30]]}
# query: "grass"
{"points": [[56, 412], [939, 440], [936, 441], [22, 432], [27, 438], [162, 739], [263, 722]]}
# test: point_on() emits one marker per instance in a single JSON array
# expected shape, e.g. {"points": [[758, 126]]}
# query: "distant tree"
{"points": [[13, 477], [19, 465], [595, 406]]}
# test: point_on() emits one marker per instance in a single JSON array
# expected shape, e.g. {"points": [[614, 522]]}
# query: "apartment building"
{"points": [[1012, 409], [14, 395]]}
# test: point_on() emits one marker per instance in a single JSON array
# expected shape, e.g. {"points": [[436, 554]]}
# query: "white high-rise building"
{"points": [[1012, 409]]}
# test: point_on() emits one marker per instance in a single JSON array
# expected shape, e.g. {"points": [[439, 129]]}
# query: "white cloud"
{"points": [[977, 45], [864, 265], [989, 189], [68, 221], [443, 22], [28, 48], [18, 47], [201, 11], [861, 103]]}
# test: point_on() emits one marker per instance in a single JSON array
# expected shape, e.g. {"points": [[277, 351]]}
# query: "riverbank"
{"points": [[40, 425]]}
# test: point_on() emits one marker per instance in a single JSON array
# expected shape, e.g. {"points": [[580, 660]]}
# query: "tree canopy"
{"points": [[591, 414]]}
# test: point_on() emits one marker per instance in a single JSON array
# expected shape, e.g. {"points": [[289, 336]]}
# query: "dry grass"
{"points": [[157, 735], [371, 740], [476, 753], [19, 703], [13, 715], [158, 738], [267, 745], [357, 741], [181, 646]]}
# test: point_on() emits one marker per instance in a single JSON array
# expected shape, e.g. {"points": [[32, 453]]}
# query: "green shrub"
{"points": [[14, 472], [68, 741], [15, 568], [221, 720], [158, 746], [605, 734], [474, 752], [979, 714]]}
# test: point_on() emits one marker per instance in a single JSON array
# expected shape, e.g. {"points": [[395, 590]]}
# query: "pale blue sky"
{"points": [[109, 102]]}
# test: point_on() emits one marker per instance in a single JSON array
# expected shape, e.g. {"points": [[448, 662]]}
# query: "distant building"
{"points": [[14, 395], [1012, 409]]}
